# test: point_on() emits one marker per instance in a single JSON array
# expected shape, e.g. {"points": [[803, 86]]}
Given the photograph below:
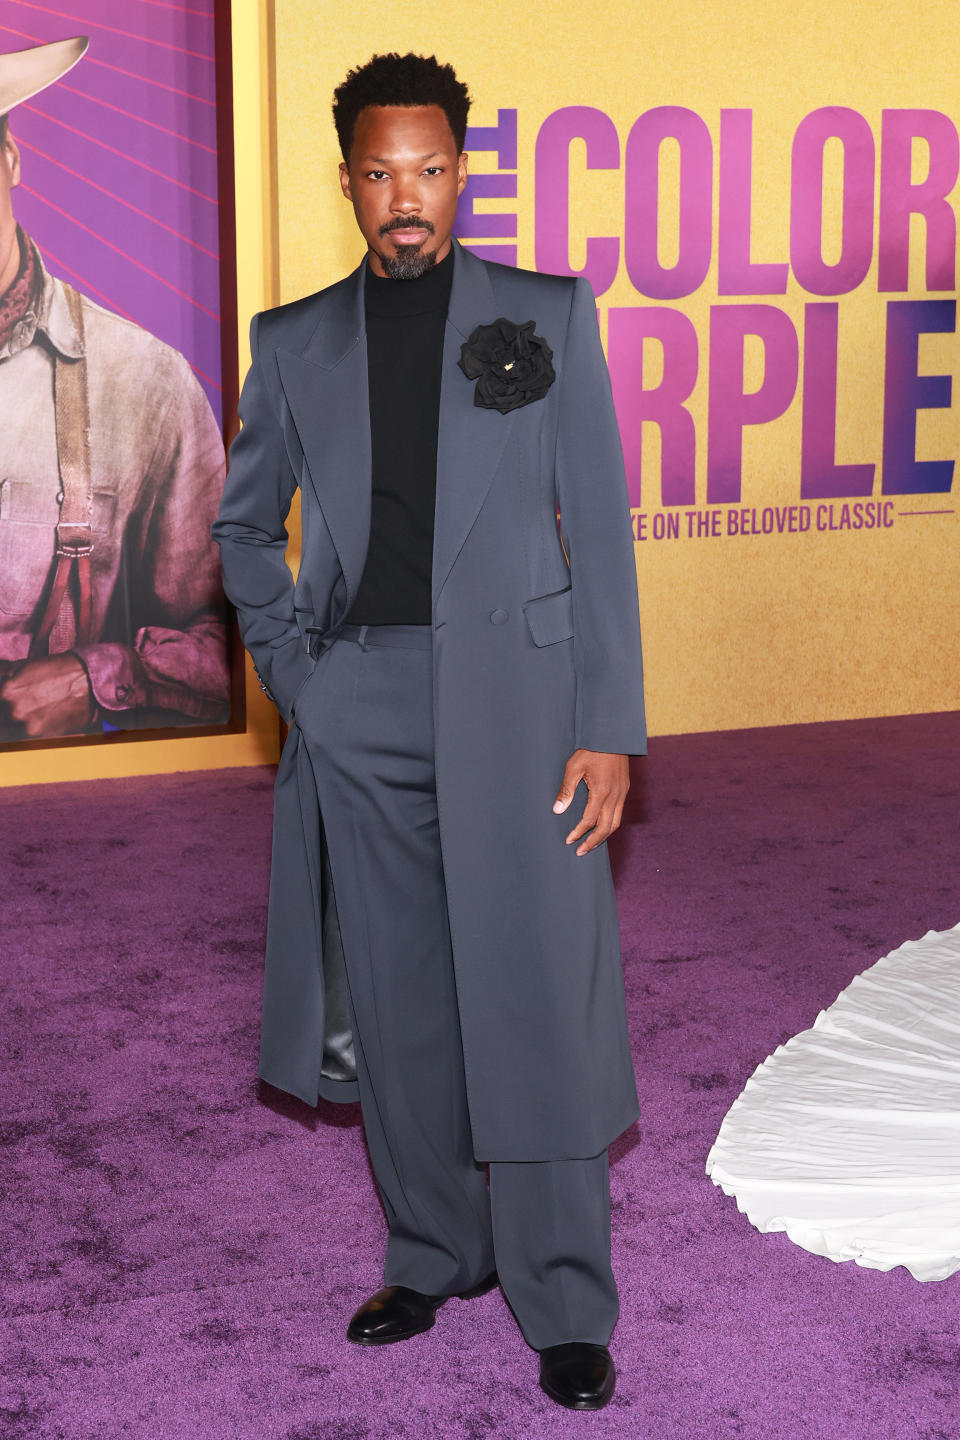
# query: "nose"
{"points": [[405, 199]]}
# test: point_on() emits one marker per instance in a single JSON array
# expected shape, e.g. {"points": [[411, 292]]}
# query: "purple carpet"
{"points": [[182, 1245]]}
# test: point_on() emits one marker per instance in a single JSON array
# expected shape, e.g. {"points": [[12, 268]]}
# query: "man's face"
{"points": [[9, 179], [404, 179]]}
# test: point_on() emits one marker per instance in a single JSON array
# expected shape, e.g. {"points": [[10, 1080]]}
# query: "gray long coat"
{"points": [[533, 658]]}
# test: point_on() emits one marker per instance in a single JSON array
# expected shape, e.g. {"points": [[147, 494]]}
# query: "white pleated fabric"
{"points": [[848, 1136]]}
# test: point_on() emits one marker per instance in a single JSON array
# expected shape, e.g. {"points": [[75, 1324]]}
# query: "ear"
{"points": [[345, 179], [462, 171], [11, 158]]}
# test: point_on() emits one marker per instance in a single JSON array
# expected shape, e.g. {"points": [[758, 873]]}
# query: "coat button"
{"points": [[499, 617]]}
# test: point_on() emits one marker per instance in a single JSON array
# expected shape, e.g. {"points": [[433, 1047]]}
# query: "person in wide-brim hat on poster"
{"points": [[111, 469]]}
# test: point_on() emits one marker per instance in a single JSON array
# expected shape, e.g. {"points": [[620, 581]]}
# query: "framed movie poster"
{"points": [[117, 327]]}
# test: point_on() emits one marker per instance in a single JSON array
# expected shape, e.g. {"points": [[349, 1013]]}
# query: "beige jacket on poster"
{"points": [[158, 652]]}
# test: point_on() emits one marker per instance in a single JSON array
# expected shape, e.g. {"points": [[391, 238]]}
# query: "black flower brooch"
{"points": [[511, 365]]}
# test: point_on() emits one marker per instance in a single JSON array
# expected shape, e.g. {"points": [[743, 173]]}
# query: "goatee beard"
{"points": [[409, 263]]}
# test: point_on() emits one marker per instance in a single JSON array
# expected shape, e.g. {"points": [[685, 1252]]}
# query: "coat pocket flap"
{"points": [[550, 617]]}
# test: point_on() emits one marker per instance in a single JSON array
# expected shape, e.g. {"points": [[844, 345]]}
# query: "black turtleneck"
{"points": [[405, 327]]}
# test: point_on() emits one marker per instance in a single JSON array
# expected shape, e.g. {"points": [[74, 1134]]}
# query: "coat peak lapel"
{"points": [[326, 389], [471, 439], [341, 324]]}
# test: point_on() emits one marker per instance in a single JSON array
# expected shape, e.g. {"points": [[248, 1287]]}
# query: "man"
{"points": [[111, 468], [446, 668]]}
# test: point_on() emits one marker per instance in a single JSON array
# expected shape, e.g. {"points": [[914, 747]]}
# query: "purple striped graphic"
{"points": [[119, 164]]}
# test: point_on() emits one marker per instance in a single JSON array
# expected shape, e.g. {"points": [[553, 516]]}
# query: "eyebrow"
{"points": [[379, 160]]}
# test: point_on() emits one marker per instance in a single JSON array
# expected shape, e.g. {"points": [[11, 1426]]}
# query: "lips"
{"points": [[408, 237]]}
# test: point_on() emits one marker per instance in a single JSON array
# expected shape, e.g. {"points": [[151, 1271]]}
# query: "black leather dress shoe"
{"points": [[578, 1375], [396, 1313]]}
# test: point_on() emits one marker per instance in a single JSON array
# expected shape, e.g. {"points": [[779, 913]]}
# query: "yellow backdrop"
{"points": [[739, 630]]}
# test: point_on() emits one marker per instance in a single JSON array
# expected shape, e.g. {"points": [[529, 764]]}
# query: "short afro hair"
{"points": [[400, 80]]}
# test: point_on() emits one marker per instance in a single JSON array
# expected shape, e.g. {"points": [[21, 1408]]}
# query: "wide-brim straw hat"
{"points": [[26, 72]]}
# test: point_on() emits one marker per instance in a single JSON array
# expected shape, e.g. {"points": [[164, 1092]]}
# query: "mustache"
{"points": [[407, 222]]}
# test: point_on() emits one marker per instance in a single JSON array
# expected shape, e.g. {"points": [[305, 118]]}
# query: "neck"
{"points": [[9, 259]]}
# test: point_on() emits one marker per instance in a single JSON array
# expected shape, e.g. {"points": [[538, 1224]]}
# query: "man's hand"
{"points": [[46, 697], [607, 778]]}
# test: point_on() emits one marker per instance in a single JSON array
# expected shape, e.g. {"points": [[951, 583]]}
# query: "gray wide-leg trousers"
{"points": [[366, 717]]}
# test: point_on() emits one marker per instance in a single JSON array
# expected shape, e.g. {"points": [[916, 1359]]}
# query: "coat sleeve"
{"points": [[597, 533], [252, 536]]}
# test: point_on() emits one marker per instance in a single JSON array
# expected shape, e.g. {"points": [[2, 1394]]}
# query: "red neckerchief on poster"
{"points": [[15, 302]]}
